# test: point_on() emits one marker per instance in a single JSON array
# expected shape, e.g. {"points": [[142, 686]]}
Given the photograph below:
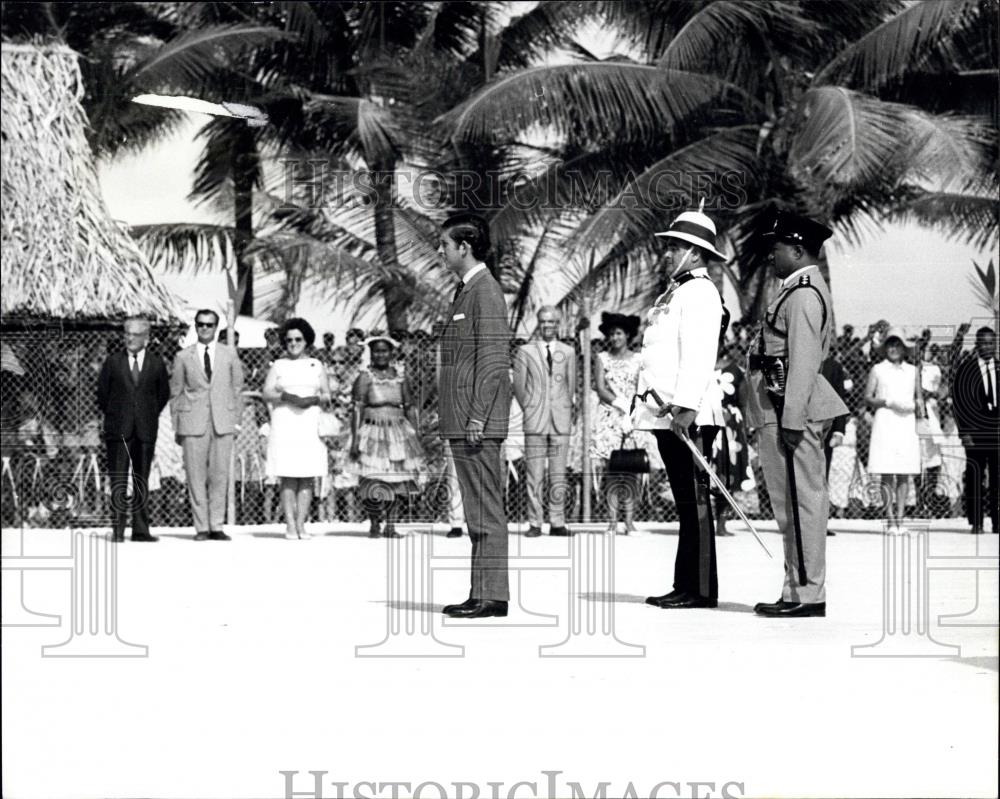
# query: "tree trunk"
{"points": [[396, 286], [244, 171]]}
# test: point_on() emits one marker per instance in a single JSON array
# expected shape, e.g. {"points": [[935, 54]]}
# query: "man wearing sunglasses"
{"points": [[206, 400]]}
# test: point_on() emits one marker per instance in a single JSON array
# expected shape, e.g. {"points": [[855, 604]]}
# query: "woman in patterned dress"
{"points": [[616, 372], [385, 448]]}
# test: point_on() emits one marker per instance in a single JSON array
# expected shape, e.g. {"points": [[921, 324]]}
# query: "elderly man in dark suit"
{"points": [[132, 390], [974, 398], [474, 406], [206, 393]]}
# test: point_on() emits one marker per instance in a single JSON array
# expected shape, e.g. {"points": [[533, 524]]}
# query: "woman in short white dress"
{"points": [[894, 452], [296, 386]]}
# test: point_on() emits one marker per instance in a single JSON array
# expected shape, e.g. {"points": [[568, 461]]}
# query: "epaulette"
{"points": [[804, 280]]}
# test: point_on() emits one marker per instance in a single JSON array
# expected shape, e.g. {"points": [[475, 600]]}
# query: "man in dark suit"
{"points": [[974, 399], [132, 389], [474, 406]]}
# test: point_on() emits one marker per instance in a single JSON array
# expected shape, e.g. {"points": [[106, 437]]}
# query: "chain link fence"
{"points": [[54, 460]]}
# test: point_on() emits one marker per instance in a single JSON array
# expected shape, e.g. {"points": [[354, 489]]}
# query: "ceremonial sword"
{"points": [[713, 477]]}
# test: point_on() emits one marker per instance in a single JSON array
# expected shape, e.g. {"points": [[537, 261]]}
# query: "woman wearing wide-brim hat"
{"points": [[616, 373]]}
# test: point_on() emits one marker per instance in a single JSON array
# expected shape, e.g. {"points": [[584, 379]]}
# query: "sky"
{"points": [[905, 274]]}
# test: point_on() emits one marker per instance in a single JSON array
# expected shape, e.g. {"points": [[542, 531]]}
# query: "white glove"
{"points": [[626, 424], [836, 440], [621, 404]]}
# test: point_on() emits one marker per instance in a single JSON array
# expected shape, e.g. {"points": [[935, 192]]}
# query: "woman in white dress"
{"points": [[894, 452], [296, 386]]}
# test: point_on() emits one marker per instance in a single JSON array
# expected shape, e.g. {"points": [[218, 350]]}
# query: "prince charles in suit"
{"points": [[474, 391], [207, 403]]}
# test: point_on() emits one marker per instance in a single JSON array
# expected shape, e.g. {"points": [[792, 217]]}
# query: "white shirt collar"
{"points": [[698, 271], [473, 272], [141, 355], [794, 276]]}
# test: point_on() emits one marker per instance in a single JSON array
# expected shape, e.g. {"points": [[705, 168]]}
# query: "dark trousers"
{"points": [[979, 462], [695, 570], [141, 453], [481, 477]]}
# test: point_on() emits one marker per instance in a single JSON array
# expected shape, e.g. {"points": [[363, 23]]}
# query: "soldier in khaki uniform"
{"points": [[792, 405]]}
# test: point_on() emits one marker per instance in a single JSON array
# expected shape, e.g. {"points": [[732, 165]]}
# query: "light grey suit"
{"points": [[205, 414], [546, 396]]}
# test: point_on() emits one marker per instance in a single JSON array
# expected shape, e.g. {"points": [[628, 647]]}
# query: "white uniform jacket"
{"points": [[679, 351]]}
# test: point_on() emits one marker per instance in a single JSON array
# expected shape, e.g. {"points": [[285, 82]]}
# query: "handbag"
{"points": [[329, 425], [628, 461]]}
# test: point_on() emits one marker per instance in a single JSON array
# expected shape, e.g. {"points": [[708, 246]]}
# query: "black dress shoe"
{"points": [[390, 532], [792, 610], [779, 604], [533, 532], [830, 532], [687, 601], [117, 538], [977, 530], [202, 536], [466, 604], [564, 531], [655, 600], [218, 535], [145, 539], [455, 532], [480, 609]]}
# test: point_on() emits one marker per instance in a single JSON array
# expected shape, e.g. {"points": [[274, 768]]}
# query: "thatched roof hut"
{"points": [[63, 256]]}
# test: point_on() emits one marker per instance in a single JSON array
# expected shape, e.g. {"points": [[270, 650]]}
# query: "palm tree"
{"points": [[804, 105]]}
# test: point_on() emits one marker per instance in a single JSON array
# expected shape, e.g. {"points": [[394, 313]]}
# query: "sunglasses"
{"points": [[204, 324], [293, 339]]}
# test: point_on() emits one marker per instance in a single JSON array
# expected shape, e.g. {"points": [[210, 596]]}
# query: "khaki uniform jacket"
{"points": [[547, 400], [797, 332], [474, 379], [192, 396]]}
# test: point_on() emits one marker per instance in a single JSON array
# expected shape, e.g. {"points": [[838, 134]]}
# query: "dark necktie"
{"points": [[208, 365], [458, 290], [991, 397], [548, 357], [135, 369]]}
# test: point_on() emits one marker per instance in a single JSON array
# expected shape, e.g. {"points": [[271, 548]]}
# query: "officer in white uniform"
{"points": [[679, 351]]}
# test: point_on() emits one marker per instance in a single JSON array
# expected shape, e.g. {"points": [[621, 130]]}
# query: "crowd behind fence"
{"points": [[54, 472]]}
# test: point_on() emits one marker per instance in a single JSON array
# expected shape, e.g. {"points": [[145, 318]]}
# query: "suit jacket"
{"points": [[129, 407], [679, 350], [474, 379], [968, 398], [794, 328], [193, 400], [547, 400], [834, 373]]}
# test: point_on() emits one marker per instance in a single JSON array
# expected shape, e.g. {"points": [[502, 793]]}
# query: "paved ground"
{"points": [[253, 669]]}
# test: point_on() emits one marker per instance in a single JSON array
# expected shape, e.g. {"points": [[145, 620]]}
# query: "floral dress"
{"points": [[621, 376]]}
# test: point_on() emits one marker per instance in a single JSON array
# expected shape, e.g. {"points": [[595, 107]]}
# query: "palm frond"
{"points": [[194, 57], [845, 138], [187, 248], [705, 42], [963, 216], [902, 43], [589, 101], [984, 286], [724, 164]]}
